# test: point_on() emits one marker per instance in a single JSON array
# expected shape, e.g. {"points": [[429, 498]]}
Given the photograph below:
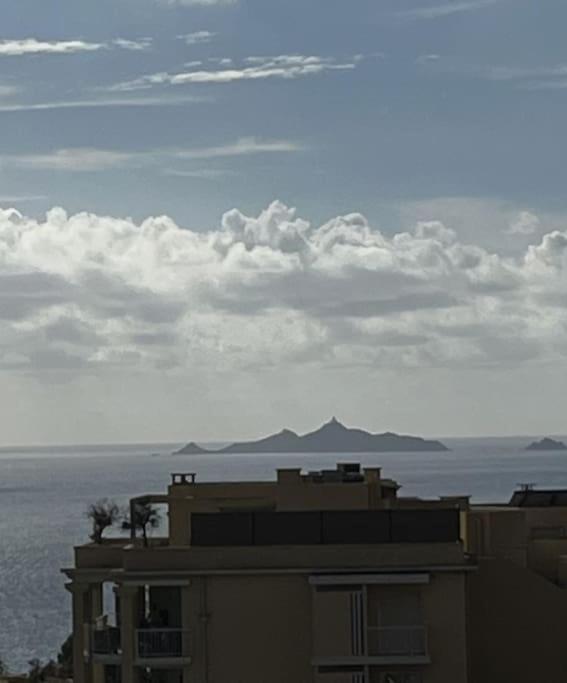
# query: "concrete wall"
{"points": [[259, 630], [331, 623], [516, 625], [444, 610], [293, 557]]}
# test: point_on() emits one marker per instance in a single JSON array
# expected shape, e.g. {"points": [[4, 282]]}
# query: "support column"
{"points": [[96, 600], [81, 631], [128, 626]]}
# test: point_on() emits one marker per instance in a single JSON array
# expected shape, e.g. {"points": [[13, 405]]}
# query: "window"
{"points": [[396, 625]]}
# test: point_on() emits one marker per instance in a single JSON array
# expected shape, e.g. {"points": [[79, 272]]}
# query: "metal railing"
{"points": [[106, 641], [389, 641], [161, 642]]}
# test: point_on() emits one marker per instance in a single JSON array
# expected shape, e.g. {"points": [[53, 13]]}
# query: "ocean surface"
{"points": [[44, 493]]}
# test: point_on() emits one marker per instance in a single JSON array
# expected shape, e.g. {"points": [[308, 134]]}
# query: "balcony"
{"points": [[397, 641], [162, 643], [105, 641]]}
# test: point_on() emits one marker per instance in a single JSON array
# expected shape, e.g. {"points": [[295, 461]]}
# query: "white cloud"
{"points": [[445, 10], [20, 199], [115, 102], [242, 147], [134, 45], [427, 59], [201, 173], [33, 46], [197, 37], [253, 68], [85, 291], [9, 90], [88, 159], [525, 223], [76, 160]]}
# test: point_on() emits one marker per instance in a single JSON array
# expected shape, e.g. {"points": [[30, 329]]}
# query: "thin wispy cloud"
{"points": [[427, 59], [196, 3], [33, 46], [76, 160], [112, 102], [444, 10], [242, 147], [133, 45], [199, 173], [9, 90], [549, 77], [197, 37], [88, 159], [21, 198], [252, 69]]}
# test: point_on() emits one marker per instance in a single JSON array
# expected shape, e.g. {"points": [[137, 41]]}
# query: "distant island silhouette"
{"points": [[332, 437], [547, 444]]}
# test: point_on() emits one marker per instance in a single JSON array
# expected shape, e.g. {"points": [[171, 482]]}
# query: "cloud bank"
{"points": [[82, 293]]}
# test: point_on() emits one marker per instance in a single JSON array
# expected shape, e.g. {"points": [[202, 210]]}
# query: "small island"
{"points": [[332, 437], [547, 444]]}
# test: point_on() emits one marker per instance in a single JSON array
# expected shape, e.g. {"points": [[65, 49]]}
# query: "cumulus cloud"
{"points": [[252, 69], [33, 46], [83, 292], [525, 223]]}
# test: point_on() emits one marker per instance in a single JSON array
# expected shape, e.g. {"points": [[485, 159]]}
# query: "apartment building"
{"points": [[318, 577]]}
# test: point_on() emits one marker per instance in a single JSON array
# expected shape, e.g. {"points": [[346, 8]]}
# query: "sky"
{"points": [[219, 218]]}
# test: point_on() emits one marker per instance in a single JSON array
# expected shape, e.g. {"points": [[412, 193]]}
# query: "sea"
{"points": [[44, 493]]}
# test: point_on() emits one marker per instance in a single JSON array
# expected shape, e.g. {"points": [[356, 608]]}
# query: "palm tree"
{"points": [[103, 514], [144, 517]]}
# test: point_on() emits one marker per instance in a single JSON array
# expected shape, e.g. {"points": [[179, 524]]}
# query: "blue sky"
{"points": [[422, 113], [155, 283]]}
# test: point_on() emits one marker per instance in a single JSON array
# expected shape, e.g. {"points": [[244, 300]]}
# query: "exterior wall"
{"points": [[331, 623], [259, 630], [293, 557], [500, 532], [530, 537], [544, 557], [516, 625], [444, 609]]}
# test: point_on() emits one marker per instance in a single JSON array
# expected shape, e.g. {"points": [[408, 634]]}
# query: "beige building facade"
{"points": [[321, 577]]}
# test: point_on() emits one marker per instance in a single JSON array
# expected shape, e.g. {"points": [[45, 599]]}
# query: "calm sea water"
{"points": [[44, 494]]}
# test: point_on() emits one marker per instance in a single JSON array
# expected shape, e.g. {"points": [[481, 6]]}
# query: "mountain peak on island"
{"points": [[547, 444], [331, 437]]}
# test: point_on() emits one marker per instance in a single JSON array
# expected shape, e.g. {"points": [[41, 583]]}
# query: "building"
{"points": [[324, 577]]}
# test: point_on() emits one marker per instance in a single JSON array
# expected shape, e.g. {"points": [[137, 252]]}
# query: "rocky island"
{"points": [[332, 437], [547, 444]]}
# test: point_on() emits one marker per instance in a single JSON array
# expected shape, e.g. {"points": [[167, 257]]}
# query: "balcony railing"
{"points": [[391, 641], [161, 643], [106, 641]]}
